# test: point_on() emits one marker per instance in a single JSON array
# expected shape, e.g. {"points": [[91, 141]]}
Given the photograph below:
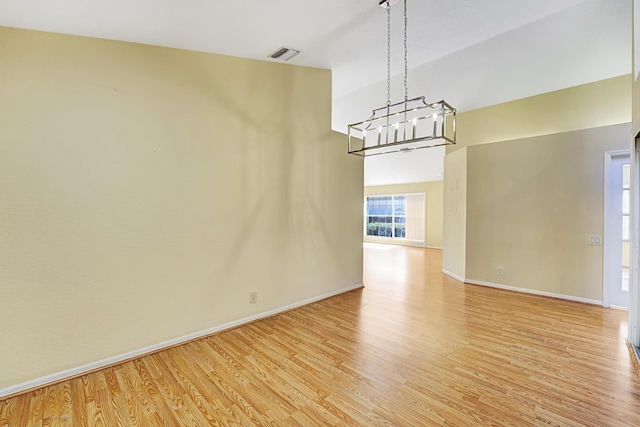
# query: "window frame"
{"points": [[393, 238]]}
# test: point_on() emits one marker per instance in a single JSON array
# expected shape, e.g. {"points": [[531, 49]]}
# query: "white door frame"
{"points": [[611, 242], [634, 295]]}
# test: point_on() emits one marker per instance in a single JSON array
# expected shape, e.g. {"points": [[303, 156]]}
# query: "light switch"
{"points": [[595, 240]]}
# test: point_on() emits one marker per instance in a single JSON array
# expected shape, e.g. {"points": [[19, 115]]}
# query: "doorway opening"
{"points": [[617, 229]]}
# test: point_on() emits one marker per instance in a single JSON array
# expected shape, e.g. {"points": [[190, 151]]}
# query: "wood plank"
{"points": [[412, 348]]}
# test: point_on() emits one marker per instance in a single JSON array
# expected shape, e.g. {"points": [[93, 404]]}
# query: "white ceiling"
{"points": [[403, 167], [473, 53]]}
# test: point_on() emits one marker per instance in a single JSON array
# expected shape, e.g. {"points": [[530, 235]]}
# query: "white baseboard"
{"points": [[394, 241], [110, 361], [534, 292], [521, 290], [453, 275], [433, 247]]}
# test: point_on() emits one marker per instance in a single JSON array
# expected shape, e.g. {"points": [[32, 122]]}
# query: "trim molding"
{"points": [[521, 290], [134, 354], [616, 307], [635, 358], [394, 241], [433, 247], [534, 292], [454, 276]]}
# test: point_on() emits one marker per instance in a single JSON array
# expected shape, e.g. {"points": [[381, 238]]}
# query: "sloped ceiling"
{"points": [[472, 53]]}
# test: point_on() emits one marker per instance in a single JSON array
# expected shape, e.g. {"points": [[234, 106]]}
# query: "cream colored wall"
{"points": [[433, 200], [455, 213], [602, 103], [146, 191], [531, 205]]}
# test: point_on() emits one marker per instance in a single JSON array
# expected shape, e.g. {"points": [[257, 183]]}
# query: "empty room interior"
{"points": [[366, 212]]}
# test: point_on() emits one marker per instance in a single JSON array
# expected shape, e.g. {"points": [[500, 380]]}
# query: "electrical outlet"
{"points": [[253, 297], [500, 271]]}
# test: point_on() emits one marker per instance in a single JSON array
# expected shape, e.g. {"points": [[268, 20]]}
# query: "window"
{"points": [[397, 216]]}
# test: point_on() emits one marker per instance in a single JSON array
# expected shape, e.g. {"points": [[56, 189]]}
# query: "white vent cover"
{"points": [[284, 54]]}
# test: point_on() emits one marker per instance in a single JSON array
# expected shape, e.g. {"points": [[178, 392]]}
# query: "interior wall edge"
{"points": [[536, 135], [47, 380], [453, 275], [565, 110]]}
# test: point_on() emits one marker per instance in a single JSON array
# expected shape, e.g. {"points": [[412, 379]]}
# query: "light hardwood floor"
{"points": [[413, 348]]}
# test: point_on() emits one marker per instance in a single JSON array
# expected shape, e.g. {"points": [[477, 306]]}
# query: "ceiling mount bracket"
{"points": [[386, 3]]}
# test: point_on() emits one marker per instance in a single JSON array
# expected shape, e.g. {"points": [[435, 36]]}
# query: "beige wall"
{"points": [[602, 103], [146, 191], [455, 213], [531, 205], [533, 170], [433, 200]]}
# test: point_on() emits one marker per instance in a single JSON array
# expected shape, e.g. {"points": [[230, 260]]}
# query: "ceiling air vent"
{"points": [[284, 54]]}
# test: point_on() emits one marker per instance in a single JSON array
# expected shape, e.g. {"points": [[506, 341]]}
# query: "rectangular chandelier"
{"points": [[405, 126]]}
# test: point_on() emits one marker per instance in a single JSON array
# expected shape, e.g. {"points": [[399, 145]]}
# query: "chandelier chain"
{"points": [[406, 64], [388, 53]]}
